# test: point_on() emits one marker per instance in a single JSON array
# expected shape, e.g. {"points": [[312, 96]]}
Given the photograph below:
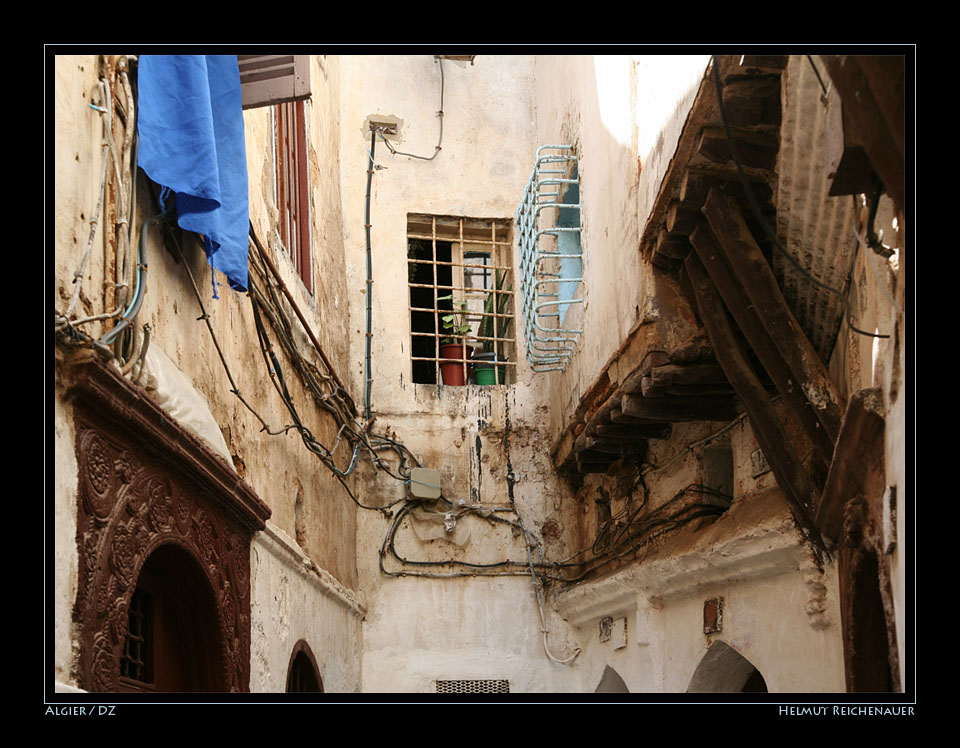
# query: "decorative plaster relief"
{"points": [[144, 483]]}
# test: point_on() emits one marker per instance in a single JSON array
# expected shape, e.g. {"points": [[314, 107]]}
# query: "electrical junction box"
{"points": [[424, 483]]}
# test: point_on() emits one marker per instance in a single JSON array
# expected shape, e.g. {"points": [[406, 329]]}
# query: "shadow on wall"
{"points": [[724, 670]]}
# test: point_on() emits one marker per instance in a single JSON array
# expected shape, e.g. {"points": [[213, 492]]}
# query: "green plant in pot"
{"points": [[452, 345], [486, 369]]}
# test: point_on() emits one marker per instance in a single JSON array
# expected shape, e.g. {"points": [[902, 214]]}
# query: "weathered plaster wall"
{"points": [[486, 441], [78, 159], [422, 630], [292, 600], [625, 115], [877, 302], [587, 101], [307, 503], [779, 608], [623, 291]]}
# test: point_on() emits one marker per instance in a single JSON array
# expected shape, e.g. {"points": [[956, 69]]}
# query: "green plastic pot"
{"points": [[485, 370]]}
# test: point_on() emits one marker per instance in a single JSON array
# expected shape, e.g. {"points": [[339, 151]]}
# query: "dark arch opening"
{"points": [[611, 682], [303, 675], [724, 670], [173, 641], [869, 669]]}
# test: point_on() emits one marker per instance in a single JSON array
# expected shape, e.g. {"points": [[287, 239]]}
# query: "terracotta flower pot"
{"points": [[452, 371]]}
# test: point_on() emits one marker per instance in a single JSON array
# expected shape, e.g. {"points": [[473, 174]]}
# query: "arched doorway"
{"points": [[868, 643], [173, 642], [724, 670], [303, 675], [611, 682], [164, 528]]}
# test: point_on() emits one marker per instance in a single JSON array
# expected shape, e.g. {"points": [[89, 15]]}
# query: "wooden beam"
{"points": [[682, 217], [696, 185], [616, 448], [867, 119], [753, 102], [619, 418], [753, 272], [750, 324], [755, 150], [633, 382], [670, 374], [700, 390], [848, 166], [672, 246], [766, 62], [680, 409], [632, 433], [857, 460], [591, 462], [793, 480]]}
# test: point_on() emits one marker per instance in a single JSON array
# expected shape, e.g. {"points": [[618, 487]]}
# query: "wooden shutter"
{"points": [[273, 79]]}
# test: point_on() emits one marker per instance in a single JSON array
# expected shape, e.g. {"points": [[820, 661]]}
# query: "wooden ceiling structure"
{"points": [[710, 229]]}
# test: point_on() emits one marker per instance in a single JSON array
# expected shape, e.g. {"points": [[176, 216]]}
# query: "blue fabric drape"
{"points": [[191, 143]]}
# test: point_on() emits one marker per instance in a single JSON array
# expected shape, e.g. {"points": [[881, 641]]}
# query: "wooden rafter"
{"points": [[738, 303], [796, 484], [753, 271]]}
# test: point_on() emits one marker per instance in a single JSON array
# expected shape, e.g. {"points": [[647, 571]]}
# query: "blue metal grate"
{"points": [[550, 268]]}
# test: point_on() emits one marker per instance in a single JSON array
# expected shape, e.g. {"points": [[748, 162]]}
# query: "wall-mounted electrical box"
{"points": [[424, 483]]}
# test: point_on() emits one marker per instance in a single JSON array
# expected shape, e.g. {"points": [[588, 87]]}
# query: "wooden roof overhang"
{"points": [[707, 231]]}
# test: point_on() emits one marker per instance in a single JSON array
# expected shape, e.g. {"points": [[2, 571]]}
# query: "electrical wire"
{"points": [[437, 148], [817, 73]]}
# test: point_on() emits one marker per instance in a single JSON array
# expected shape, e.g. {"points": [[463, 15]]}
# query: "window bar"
{"points": [[549, 346], [494, 291], [436, 305], [461, 232], [463, 282]]}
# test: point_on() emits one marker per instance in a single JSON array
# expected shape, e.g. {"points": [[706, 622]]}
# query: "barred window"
{"points": [[460, 276], [137, 661]]}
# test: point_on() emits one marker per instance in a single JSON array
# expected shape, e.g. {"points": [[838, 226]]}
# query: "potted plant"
{"points": [[453, 346], [486, 370]]}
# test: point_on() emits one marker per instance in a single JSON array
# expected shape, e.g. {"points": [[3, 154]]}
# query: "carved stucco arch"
{"points": [[144, 483]]}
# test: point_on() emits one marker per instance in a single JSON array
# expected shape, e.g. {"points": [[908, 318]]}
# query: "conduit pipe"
{"points": [[131, 312], [366, 223]]}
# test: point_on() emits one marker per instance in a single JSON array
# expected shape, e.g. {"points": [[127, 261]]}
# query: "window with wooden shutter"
{"points": [[292, 186], [274, 79]]}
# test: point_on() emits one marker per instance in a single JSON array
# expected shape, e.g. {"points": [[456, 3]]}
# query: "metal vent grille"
{"points": [[473, 686]]}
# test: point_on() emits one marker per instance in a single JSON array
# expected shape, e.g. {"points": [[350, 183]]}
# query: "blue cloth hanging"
{"points": [[190, 125]]}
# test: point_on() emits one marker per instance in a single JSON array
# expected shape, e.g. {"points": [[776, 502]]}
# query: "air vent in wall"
{"points": [[473, 686]]}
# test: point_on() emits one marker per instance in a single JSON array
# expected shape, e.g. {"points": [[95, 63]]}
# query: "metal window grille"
{"points": [[137, 655], [473, 686], [544, 265], [459, 269]]}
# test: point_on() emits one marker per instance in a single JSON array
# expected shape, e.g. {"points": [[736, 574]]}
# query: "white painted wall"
{"points": [[293, 599]]}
